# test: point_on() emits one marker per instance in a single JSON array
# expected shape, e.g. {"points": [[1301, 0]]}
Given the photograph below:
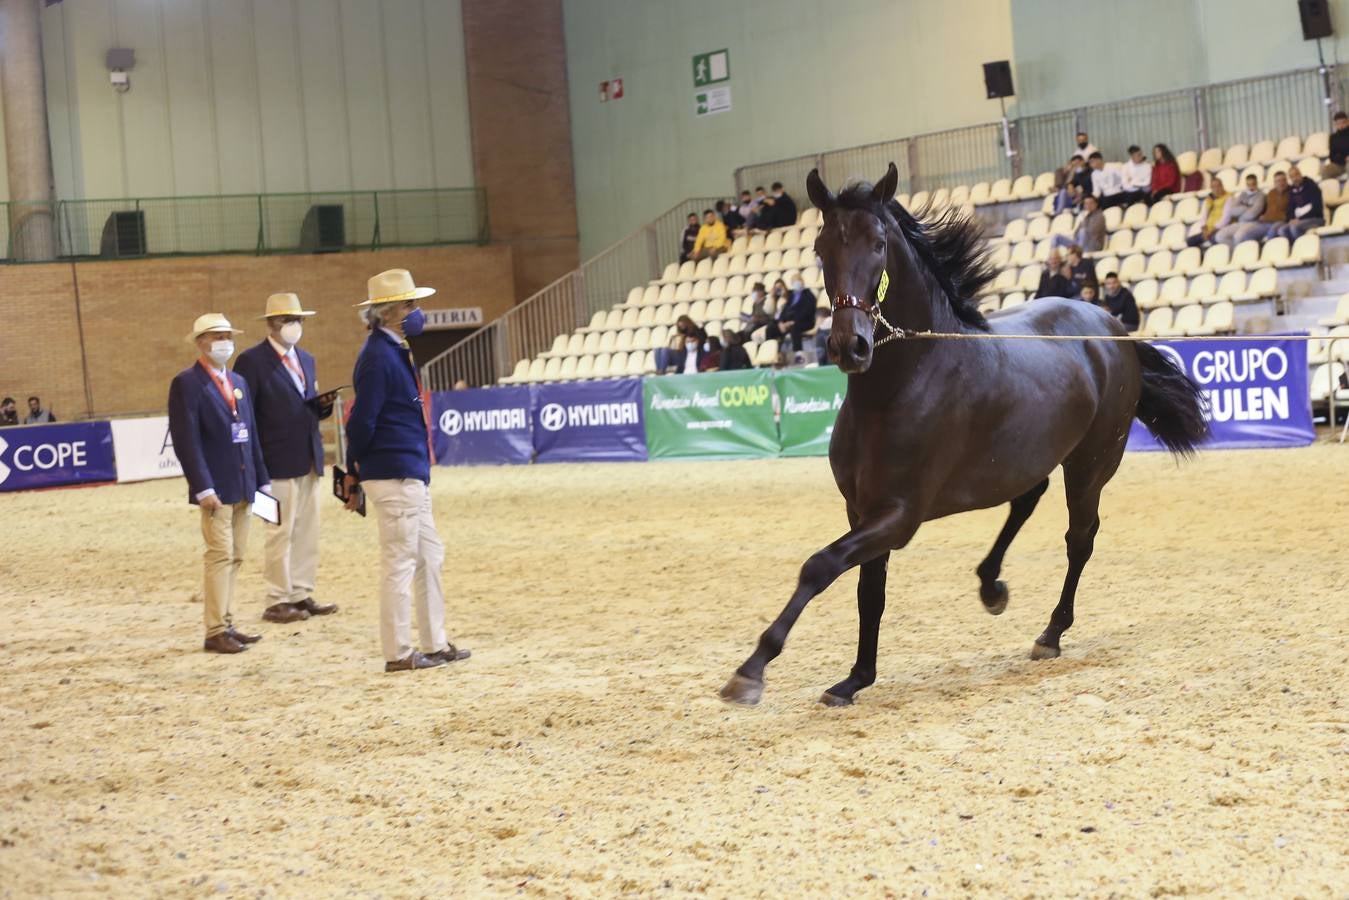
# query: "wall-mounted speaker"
{"points": [[998, 79], [1315, 15]]}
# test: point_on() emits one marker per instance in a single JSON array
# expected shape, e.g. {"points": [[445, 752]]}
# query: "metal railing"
{"points": [[255, 223]]}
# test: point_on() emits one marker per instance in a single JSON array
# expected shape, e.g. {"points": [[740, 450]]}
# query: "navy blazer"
{"points": [[387, 434], [800, 308], [288, 427], [199, 422]]}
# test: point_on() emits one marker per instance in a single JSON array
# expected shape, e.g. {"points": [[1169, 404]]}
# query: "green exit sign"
{"points": [[710, 68]]}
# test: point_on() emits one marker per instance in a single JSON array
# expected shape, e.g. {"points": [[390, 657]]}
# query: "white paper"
{"points": [[267, 508]]}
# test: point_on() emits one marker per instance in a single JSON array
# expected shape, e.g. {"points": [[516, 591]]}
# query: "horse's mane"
{"points": [[949, 243]]}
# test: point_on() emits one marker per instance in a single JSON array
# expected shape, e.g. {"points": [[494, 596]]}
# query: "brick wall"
{"points": [[135, 314]]}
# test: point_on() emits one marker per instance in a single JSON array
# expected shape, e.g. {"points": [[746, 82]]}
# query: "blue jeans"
{"points": [[822, 346], [1297, 228]]}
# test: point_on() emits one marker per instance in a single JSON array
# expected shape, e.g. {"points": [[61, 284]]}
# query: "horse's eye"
{"points": [[880, 246]]}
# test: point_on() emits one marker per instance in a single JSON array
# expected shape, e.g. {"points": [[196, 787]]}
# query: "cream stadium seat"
{"points": [[808, 235], [1022, 253], [1159, 264], [1013, 300], [664, 315], [1245, 256], [1158, 322], [568, 370], [629, 317], [551, 369], [1114, 217], [920, 200], [810, 218], [1147, 239], [1001, 191], [680, 309], [721, 265], [1289, 148], [649, 363], [717, 289], [1310, 168], [754, 265], [604, 363], [1121, 242], [1006, 280], [1146, 295], [634, 297], [1264, 283], [1232, 286], [684, 292], [1273, 253], [1219, 319], [1042, 249], [738, 266], [1046, 208], [607, 341], [1044, 185], [756, 244], [1185, 318], [699, 293], [1202, 288], [521, 373], [1162, 213], [1029, 279], [1236, 156], [1211, 159], [651, 296], [1306, 251], [736, 286], [1318, 145], [1062, 224], [596, 321], [1321, 381], [941, 198], [990, 304], [703, 269], [618, 365], [1173, 291], [1105, 265], [1038, 229], [1173, 237], [773, 241], [791, 259], [1281, 165], [1216, 258], [715, 307], [575, 343], [1188, 261], [1132, 267], [536, 370], [1228, 177], [667, 293], [1136, 216], [641, 339], [626, 340], [1331, 194], [1024, 188], [1015, 231], [1187, 161], [767, 353], [1261, 152], [979, 194], [773, 260], [686, 270], [902, 200], [585, 366], [791, 237], [559, 347], [1341, 314], [659, 336], [1323, 350], [999, 257], [813, 276], [671, 274], [739, 246], [1188, 210]]}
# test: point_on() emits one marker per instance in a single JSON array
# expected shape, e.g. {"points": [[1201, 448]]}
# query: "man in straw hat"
{"points": [[389, 455], [283, 381], [214, 435]]}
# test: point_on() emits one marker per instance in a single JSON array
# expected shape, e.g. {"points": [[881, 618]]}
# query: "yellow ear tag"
{"points": [[238, 394], [885, 284]]}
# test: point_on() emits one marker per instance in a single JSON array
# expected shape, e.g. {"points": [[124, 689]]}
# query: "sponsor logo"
{"points": [[729, 397], [44, 457], [4, 469], [453, 421], [555, 416]]}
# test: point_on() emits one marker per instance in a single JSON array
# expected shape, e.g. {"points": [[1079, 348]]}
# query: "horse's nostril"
{"points": [[859, 347]]}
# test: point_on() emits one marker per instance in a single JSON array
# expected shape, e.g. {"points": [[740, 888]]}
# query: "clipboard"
{"points": [[322, 404], [266, 507], [339, 490]]}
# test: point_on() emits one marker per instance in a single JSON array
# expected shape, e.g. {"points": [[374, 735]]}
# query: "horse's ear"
{"points": [[884, 191], [818, 193]]}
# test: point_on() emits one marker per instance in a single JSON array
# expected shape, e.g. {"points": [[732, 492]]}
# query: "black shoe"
{"points": [[317, 609], [413, 660]]}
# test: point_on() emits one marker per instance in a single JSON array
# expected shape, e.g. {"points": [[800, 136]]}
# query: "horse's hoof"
{"points": [[1040, 651], [994, 598], [742, 690], [829, 699]]}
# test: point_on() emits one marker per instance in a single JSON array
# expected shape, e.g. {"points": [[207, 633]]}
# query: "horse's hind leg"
{"points": [[1084, 498], [993, 592], [870, 606]]}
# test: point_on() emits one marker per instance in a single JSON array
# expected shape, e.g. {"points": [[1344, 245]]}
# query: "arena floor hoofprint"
{"points": [[1193, 739]]}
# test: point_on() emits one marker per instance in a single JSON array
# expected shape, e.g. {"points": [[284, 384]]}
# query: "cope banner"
{"points": [[809, 401], [35, 456], [144, 449], [589, 421], [482, 427], [1257, 392], [717, 415]]}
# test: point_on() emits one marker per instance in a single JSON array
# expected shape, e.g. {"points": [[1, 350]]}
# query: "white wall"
{"points": [[251, 96]]}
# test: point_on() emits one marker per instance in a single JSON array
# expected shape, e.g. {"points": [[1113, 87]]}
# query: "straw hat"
{"points": [[210, 322], [285, 305], [392, 286]]}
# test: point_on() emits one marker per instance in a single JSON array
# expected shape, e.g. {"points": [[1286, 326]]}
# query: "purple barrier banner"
{"points": [[1257, 392], [37, 456], [482, 427], [589, 421]]}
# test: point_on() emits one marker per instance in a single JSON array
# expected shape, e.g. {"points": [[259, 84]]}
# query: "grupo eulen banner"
{"points": [[35, 456], [719, 415], [595, 421], [808, 404], [1257, 392], [482, 426], [144, 449]]}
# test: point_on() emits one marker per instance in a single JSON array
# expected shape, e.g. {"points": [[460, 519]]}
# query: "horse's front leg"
{"points": [[870, 606], [866, 542]]}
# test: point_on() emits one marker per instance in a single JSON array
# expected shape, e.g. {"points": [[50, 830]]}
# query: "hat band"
{"points": [[393, 298], [286, 312]]}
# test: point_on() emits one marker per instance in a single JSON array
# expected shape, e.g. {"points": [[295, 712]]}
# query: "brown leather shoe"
{"points": [[241, 637], [284, 612], [223, 643], [316, 609], [413, 660], [450, 654]]}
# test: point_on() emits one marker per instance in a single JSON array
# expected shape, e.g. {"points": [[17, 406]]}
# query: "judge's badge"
{"points": [[238, 394], [885, 284]]}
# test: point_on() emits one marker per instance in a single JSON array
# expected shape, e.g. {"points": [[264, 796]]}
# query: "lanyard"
{"points": [[421, 395], [224, 389]]}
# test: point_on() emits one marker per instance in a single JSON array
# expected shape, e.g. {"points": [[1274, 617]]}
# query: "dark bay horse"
{"points": [[933, 427]]}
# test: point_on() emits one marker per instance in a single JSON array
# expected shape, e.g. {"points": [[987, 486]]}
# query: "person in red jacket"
{"points": [[1165, 173]]}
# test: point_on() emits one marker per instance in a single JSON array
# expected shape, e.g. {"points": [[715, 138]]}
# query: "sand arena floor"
{"points": [[1192, 739]]}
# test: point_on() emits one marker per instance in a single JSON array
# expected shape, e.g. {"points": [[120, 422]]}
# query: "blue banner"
{"points": [[589, 421], [482, 427], [1257, 392], [36, 456]]}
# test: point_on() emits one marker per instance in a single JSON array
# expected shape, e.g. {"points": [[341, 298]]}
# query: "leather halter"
{"points": [[872, 309]]}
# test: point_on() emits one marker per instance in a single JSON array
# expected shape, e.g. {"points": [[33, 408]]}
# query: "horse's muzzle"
{"points": [[852, 352]]}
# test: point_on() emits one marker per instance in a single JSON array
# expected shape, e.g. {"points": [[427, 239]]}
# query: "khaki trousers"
{"points": [[225, 531], [410, 556], [292, 554]]}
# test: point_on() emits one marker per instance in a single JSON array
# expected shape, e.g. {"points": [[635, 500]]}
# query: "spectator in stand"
{"points": [[1106, 184], [1088, 228], [1275, 214], [1080, 272], [1136, 178], [686, 331], [1241, 210], [1120, 302], [780, 209], [1088, 293], [690, 238], [1339, 147], [797, 317], [758, 296], [730, 216], [710, 360], [9, 414], [1165, 173], [1053, 280], [1305, 211], [746, 210], [687, 359], [733, 355], [824, 325], [1084, 146], [1070, 184], [712, 238], [36, 414], [1215, 208]]}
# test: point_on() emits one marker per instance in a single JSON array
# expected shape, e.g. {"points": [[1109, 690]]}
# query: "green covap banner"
{"points": [[810, 401], [720, 415]]}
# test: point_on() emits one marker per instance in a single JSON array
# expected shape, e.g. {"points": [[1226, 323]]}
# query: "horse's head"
{"points": [[853, 248]]}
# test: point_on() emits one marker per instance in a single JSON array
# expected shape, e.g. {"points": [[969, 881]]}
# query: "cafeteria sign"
{"points": [[463, 317]]}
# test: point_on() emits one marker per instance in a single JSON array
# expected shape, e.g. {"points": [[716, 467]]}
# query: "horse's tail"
{"points": [[1171, 406]]}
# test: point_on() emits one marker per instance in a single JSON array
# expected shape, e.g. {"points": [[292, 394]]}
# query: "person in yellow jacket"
{"points": [[1214, 217], [712, 237]]}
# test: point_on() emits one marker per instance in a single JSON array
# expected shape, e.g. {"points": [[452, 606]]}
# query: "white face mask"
{"points": [[221, 351], [798, 285], [290, 333], [691, 344]]}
